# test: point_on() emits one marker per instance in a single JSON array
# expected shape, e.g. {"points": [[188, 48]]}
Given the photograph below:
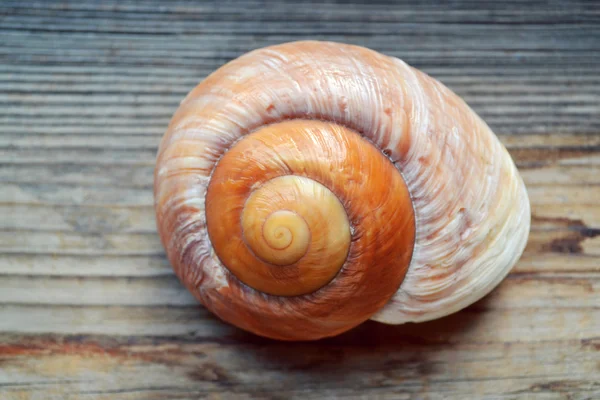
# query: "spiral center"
{"points": [[287, 235], [300, 231]]}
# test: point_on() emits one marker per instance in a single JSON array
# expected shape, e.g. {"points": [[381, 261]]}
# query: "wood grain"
{"points": [[89, 306]]}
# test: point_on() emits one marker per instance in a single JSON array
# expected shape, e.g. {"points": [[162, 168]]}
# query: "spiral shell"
{"points": [[304, 188]]}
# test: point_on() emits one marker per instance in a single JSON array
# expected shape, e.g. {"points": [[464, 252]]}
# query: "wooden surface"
{"points": [[89, 307]]}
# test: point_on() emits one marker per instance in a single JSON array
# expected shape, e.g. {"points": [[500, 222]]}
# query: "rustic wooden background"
{"points": [[89, 307]]}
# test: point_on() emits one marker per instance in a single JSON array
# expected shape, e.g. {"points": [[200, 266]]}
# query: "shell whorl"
{"points": [[304, 188], [302, 173]]}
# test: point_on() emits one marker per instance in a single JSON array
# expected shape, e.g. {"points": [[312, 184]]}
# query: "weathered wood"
{"points": [[89, 306], [521, 291], [526, 67], [269, 370], [347, 367]]}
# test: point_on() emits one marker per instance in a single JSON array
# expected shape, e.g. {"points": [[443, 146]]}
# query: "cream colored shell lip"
{"points": [[471, 206], [464, 260], [472, 217]]}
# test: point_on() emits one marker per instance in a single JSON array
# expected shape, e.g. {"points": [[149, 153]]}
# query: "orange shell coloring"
{"points": [[304, 188]]}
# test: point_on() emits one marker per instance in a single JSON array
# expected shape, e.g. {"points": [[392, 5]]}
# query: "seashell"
{"points": [[307, 187]]}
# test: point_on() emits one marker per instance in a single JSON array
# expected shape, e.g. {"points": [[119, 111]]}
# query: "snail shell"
{"points": [[304, 188]]}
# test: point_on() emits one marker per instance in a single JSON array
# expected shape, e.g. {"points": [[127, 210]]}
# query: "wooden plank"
{"points": [[311, 14], [89, 306], [460, 11], [472, 326], [554, 51], [89, 142], [161, 291], [91, 265], [105, 175], [192, 369], [85, 244], [84, 219], [520, 291], [73, 195], [463, 37], [114, 321], [79, 156]]}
